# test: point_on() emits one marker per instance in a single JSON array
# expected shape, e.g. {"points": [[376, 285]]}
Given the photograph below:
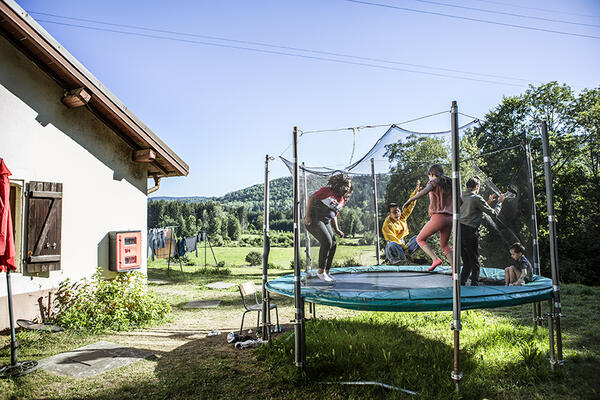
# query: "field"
{"points": [[502, 356], [280, 256]]}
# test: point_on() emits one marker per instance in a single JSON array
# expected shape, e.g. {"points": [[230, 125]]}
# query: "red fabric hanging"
{"points": [[7, 242]]}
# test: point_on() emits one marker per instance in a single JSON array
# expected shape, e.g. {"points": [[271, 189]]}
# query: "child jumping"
{"points": [[439, 188], [322, 209], [521, 272]]}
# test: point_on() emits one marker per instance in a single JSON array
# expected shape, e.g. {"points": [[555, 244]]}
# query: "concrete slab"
{"points": [[203, 304], [93, 359], [158, 281], [220, 285]]}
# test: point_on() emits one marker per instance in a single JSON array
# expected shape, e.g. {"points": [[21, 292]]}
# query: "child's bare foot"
{"points": [[437, 262]]}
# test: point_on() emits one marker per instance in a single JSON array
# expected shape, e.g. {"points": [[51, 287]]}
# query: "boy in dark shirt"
{"points": [[521, 272]]}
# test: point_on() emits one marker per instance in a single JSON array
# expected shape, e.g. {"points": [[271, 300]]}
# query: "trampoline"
{"points": [[410, 288]]}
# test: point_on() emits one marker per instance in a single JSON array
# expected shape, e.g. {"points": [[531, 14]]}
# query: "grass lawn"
{"points": [[502, 356], [280, 256]]}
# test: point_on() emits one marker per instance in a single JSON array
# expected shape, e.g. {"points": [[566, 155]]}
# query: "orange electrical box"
{"points": [[125, 251]]}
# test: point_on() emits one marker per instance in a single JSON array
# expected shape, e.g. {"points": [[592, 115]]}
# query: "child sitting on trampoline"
{"points": [[322, 209], [394, 230], [439, 188], [521, 272]]}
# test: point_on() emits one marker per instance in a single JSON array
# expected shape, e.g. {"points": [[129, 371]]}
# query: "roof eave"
{"points": [[37, 44]]}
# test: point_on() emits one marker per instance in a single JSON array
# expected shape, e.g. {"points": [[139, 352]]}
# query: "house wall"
{"points": [[103, 190]]}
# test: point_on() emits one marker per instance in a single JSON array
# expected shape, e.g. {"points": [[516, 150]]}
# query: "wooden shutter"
{"points": [[44, 215]]}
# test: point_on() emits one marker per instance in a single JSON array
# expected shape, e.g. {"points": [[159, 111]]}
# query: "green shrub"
{"points": [[282, 239], [302, 262], [367, 238], [118, 304], [216, 240], [278, 266], [254, 258], [251, 241], [346, 262], [213, 271]]}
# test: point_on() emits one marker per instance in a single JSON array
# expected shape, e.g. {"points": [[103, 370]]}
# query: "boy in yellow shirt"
{"points": [[394, 230]]}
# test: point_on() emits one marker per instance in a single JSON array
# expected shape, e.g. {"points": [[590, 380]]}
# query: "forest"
{"points": [[574, 129]]}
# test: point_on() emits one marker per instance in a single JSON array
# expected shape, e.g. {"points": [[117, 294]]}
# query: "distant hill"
{"points": [[191, 199], [252, 197], [281, 195]]}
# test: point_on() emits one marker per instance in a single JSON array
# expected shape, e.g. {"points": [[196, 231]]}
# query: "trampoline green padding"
{"points": [[410, 288]]}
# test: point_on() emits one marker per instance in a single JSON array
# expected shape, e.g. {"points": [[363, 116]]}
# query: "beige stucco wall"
{"points": [[42, 140]]}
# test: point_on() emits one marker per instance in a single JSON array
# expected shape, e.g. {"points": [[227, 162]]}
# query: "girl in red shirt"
{"points": [[322, 209], [440, 211]]}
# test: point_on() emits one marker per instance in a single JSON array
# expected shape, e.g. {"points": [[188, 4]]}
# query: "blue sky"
{"points": [[222, 109]]}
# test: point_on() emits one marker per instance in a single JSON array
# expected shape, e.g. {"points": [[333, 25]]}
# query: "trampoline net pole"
{"points": [[456, 325], [556, 313], [311, 306], [299, 331], [376, 212], [266, 308], [534, 229], [307, 236], [535, 239]]}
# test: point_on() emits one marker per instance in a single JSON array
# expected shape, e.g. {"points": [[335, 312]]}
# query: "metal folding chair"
{"points": [[247, 289]]}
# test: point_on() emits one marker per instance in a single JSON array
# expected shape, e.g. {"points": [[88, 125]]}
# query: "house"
{"points": [[80, 163]]}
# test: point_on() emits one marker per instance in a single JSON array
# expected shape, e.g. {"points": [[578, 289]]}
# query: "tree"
{"points": [[573, 128], [242, 215], [234, 228], [349, 221]]}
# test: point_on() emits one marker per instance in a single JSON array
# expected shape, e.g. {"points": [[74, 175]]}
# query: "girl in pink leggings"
{"points": [[440, 211]]}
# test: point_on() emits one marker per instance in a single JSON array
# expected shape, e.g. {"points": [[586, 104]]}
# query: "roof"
{"points": [[19, 28]]}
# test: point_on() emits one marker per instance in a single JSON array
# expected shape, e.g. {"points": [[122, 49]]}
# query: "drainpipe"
{"points": [[156, 184]]}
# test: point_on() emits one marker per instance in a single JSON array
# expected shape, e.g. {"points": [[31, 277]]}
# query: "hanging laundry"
{"points": [[181, 250], [150, 241], [191, 244], [162, 237]]}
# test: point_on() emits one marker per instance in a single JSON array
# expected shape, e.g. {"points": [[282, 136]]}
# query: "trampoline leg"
{"points": [[456, 374], [534, 316], [258, 323], [551, 333]]}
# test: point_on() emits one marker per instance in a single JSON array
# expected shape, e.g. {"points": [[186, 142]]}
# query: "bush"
{"points": [[275, 266], [219, 270], [251, 241], [118, 304], [282, 239], [347, 262], [254, 258], [302, 262], [367, 238], [216, 240]]}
